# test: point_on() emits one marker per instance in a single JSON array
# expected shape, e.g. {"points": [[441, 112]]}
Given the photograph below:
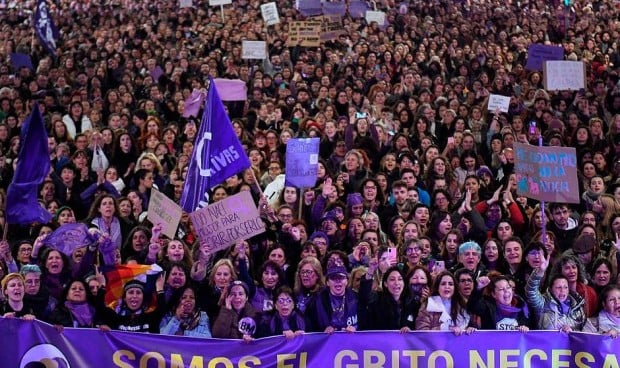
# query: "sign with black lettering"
{"points": [[224, 222], [304, 33], [163, 210]]}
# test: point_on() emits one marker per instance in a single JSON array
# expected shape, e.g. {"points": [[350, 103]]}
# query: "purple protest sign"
{"points": [[309, 8], [231, 89], [30, 344], [537, 54], [302, 157], [357, 9], [19, 60], [335, 8]]}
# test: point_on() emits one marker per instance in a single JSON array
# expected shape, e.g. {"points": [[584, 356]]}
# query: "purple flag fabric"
{"points": [[19, 60], [335, 8], [44, 28], [156, 73], [217, 155], [357, 9], [192, 104], [33, 165], [68, 237], [231, 89], [309, 8]]}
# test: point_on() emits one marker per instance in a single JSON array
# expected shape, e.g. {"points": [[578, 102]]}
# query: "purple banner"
{"points": [[34, 344], [302, 158], [537, 54], [44, 27]]}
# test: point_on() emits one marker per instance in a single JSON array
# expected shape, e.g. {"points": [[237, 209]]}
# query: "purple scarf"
{"points": [[82, 312]]}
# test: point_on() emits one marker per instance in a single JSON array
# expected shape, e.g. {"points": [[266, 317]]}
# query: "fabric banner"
{"points": [[33, 165], [32, 344], [218, 154], [69, 237], [44, 27], [302, 162], [547, 173]]}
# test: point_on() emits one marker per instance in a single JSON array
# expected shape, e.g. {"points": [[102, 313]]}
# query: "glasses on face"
{"points": [[285, 215], [306, 272], [274, 167], [370, 187], [285, 300], [466, 281], [25, 250], [413, 250]]}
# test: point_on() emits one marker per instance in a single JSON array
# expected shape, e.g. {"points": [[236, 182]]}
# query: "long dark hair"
{"points": [[457, 305]]}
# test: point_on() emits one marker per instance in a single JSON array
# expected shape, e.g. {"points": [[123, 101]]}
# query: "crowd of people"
{"points": [[414, 223]]}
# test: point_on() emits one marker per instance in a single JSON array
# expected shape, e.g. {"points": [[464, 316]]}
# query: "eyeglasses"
{"points": [[274, 167], [306, 272], [285, 300], [370, 187], [466, 281], [25, 250], [413, 250]]}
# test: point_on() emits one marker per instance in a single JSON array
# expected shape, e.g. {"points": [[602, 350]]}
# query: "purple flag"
{"points": [[192, 104], [44, 28], [33, 165], [309, 8], [231, 89], [357, 9], [217, 155], [19, 60], [156, 73], [68, 237]]}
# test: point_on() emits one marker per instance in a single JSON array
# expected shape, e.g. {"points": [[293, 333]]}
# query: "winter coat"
{"points": [[226, 325], [486, 309], [548, 311], [434, 316], [383, 312], [170, 325], [319, 312], [272, 325]]}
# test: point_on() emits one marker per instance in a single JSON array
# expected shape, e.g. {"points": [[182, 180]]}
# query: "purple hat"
{"points": [[354, 199], [319, 234], [330, 215], [484, 170], [336, 268]]}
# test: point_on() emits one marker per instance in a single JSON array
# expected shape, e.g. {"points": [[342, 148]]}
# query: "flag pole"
{"points": [[260, 190], [301, 202], [543, 236]]}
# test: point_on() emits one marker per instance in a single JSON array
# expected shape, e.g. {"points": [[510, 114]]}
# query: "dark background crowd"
{"points": [[414, 222]]}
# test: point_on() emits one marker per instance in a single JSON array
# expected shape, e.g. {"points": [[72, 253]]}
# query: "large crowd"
{"points": [[414, 223]]}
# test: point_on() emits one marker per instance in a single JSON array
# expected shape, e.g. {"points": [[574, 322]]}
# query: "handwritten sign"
{"points": [[537, 54], [547, 173], [304, 33], [270, 14], [302, 157], [375, 16], [162, 210], [253, 50], [222, 223], [563, 75], [332, 27], [498, 102]]}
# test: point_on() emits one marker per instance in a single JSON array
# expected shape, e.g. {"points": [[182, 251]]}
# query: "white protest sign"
{"points": [[375, 16], [222, 223], [270, 14], [219, 2], [185, 4], [563, 75], [163, 210], [498, 102], [254, 50]]}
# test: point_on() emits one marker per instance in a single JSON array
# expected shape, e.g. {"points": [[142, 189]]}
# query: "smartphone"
{"points": [[450, 140], [532, 127], [360, 115], [392, 255], [440, 266]]}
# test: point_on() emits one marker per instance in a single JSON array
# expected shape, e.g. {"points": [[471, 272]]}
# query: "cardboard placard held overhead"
{"points": [[219, 2], [498, 102], [302, 158], [537, 54], [222, 223], [375, 16], [561, 75], [304, 33], [185, 4], [332, 27], [253, 50], [163, 210], [270, 14]]}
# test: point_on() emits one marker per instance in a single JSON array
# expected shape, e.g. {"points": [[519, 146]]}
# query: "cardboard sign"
{"points": [[253, 50], [332, 27], [304, 33], [163, 210], [375, 16], [498, 102], [221, 224], [185, 4], [302, 158], [270, 14], [219, 2], [563, 75], [537, 54], [547, 173]]}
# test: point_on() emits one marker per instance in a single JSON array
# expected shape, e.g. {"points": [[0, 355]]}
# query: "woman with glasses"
{"points": [[497, 305], [285, 319]]}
